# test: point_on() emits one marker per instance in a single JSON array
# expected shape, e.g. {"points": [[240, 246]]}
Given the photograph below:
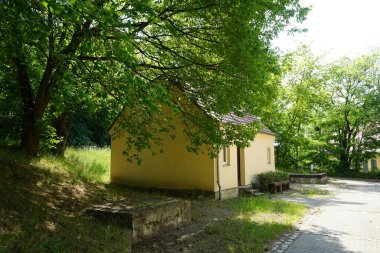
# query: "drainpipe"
{"points": [[217, 177]]}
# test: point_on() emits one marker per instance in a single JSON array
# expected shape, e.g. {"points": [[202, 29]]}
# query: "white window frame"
{"points": [[365, 166], [269, 155], [226, 155]]}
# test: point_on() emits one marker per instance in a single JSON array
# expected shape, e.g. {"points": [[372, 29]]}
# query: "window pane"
{"points": [[365, 166], [373, 163]]}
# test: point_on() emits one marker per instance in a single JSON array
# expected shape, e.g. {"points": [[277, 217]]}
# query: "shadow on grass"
{"points": [[265, 205], [240, 235], [40, 210], [236, 225]]}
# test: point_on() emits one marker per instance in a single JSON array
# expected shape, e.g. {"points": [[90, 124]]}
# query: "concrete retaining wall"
{"points": [[162, 217], [145, 218]]}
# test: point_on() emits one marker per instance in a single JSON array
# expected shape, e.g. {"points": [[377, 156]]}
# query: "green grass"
{"points": [[41, 207], [42, 202], [372, 174], [254, 223], [294, 170], [91, 164], [312, 191], [265, 205]]}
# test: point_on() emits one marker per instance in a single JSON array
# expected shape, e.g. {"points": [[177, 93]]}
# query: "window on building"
{"points": [[373, 163], [226, 155], [365, 166], [269, 155]]}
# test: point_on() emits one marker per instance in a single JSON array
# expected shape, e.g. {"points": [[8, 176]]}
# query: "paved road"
{"points": [[349, 221]]}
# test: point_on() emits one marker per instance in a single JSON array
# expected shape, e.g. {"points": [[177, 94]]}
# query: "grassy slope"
{"points": [[91, 164], [41, 204], [41, 201]]}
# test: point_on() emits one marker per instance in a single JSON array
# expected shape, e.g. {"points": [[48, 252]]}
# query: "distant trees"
{"points": [[301, 95], [351, 118], [327, 114], [58, 56]]}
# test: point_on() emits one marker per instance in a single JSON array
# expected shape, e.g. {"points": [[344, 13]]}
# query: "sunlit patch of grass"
{"points": [[265, 205], [92, 164], [312, 191], [243, 235], [254, 224]]}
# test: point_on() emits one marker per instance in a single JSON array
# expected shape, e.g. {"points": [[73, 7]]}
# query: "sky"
{"points": [[337, 28]]}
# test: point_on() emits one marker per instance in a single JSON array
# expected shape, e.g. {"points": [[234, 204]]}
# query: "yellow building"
{"points": [[372, 163], [176, 168]]}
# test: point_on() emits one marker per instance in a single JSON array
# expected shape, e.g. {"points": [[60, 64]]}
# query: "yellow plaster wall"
{"points": [[377, 157], [176, 168], [255, 157], [228, 172]]}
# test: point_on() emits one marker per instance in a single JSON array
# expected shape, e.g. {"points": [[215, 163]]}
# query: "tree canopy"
{"points": [[327, 114], [61, 55]]}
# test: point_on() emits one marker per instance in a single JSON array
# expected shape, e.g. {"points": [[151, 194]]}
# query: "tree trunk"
{"points": [[344, 161], [31, 132], [33, 111], [34, 106], [31, 135], [62, 126]]}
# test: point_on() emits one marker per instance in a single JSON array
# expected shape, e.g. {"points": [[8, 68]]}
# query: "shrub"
{"points": [[372, 174], [282, 176], [268, 177]]}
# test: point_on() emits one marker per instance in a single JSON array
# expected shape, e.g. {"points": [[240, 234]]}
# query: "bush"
{"points": [[372, 174], [272, 176]]}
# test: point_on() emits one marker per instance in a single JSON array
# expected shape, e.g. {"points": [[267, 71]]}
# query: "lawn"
{"points": [[252, 224], [42, 202], [312, 192]]}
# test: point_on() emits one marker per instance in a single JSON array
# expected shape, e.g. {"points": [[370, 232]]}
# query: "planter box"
{"points": [[275, 187], [286, 185]]}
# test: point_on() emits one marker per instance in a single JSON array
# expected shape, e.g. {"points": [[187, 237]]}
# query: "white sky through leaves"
{"points": [[337, 28]]}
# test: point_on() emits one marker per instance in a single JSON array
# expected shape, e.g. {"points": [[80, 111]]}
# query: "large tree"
{"points": [[144, 54], [301, 94], [352, 119], [327, 114]]}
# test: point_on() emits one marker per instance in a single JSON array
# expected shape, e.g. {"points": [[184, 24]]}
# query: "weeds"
{"points": [[91, 164]]}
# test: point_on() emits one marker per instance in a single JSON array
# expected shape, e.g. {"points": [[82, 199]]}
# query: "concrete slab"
{"points": [[145, 217]]}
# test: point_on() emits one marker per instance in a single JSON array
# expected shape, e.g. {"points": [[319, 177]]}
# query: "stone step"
{"points": [[251, 191], [247, 189]]}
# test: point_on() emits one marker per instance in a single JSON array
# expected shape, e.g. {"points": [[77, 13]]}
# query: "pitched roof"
{"points": [[228, 118], [237, 120]]}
